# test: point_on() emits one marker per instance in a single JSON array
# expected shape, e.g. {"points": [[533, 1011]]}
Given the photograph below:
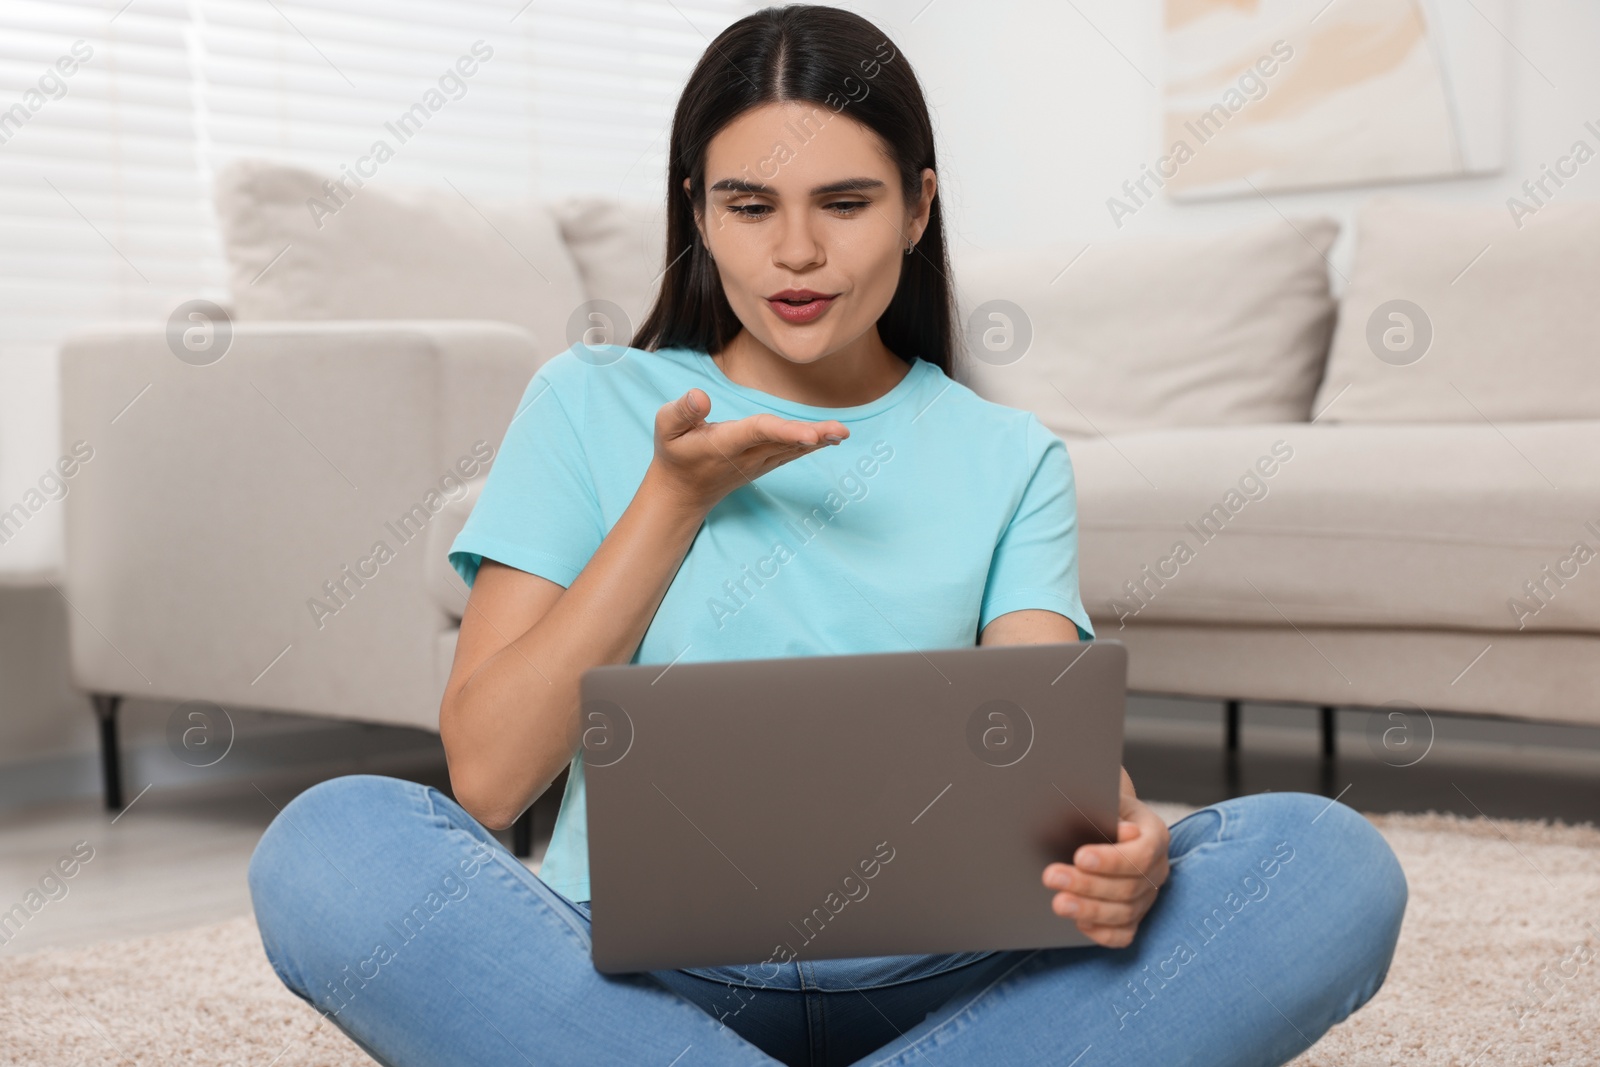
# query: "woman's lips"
{"points": [[801, 312]]}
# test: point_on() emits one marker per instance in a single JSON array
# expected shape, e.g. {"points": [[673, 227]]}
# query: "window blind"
{"points": [[114, 115]]}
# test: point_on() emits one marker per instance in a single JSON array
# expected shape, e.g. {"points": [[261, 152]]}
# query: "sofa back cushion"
{"points": [[388, 252], [1145, 332], [1461, 313]]}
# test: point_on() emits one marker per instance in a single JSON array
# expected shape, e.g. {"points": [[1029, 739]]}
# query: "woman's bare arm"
{"points": [[1029, 626], [510, 717]]}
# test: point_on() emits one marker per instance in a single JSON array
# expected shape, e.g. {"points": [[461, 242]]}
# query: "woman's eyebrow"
{"points": [[848, 185]]}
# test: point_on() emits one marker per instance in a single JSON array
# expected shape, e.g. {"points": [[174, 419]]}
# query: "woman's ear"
{"points": [[924, 206]]}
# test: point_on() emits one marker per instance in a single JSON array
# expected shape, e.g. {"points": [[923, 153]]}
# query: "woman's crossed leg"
{"points": [[1278, 920], [383, 904], [393, 912]]}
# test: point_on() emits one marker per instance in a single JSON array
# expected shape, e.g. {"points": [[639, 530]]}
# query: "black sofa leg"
{"points": [[522, 834], [1230, 761], [105, 709], [1329, 749]]}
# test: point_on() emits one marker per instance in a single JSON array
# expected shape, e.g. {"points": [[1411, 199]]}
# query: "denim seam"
{"points": [[581, 936], [1222, 826], [915, 978], [573, 925], [816, 1036], [958, 1020], [757, 982], [819, 1050]]}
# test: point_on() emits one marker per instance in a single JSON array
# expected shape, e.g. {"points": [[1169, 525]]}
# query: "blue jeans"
{"points": [[392, 911]]}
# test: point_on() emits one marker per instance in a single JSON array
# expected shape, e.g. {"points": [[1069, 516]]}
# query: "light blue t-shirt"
{"points": [[940, 512]]}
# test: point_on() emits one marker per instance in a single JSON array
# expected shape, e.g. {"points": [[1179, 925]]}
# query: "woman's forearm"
{"points": [[515, 723]]}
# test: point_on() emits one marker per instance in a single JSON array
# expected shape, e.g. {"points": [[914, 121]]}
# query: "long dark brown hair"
{"points": [[835, 59]]}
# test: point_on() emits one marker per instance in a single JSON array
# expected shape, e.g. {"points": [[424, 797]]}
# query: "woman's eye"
{"points": [[758, 211]]}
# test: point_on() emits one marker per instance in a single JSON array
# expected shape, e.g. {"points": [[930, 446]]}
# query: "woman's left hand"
{"points": [[1108, 888]]}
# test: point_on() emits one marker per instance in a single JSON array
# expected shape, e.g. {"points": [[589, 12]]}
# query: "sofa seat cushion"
{"points": [[1492, 528]]}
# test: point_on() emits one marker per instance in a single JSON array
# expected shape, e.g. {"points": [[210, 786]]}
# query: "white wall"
{"points": [[1040, 118]]}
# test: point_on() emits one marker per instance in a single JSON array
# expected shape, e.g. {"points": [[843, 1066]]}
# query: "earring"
{"points": [[909, 247]]}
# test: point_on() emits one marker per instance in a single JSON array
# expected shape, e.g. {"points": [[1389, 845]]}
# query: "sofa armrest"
{"points": [[254, 531]]}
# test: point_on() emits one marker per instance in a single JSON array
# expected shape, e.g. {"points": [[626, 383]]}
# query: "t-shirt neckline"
{"points": [[812, 412]]}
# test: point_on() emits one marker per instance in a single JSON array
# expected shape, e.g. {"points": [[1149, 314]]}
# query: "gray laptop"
{"points": [[816, 807]]}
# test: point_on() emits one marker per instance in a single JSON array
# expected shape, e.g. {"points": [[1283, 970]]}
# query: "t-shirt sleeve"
{"points": [[1035, 562], [537, 510]]}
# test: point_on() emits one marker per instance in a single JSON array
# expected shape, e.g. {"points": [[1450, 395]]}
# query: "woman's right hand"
{"points": [[701, 462]]}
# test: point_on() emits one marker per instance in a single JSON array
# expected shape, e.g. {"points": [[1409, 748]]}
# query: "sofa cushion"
{"points": [[1461, 313], [1406, 525], [619, 247], [388, 251], [1143, 332]]}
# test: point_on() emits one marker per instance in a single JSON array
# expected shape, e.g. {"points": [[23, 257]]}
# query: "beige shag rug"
{"points": [[1498, 964]]}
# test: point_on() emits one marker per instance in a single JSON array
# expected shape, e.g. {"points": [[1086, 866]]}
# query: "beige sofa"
{"points": [[266, 520], [1434, 493]]}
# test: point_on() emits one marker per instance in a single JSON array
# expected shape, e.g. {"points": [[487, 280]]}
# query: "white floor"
{"points": [[171, 859], [176, 858]]}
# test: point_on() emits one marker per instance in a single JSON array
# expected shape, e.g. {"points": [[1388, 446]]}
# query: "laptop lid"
{"points": [[817, 807]]}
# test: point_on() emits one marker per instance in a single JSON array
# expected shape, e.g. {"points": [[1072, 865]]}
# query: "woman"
{"points": [[807, 301]]}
